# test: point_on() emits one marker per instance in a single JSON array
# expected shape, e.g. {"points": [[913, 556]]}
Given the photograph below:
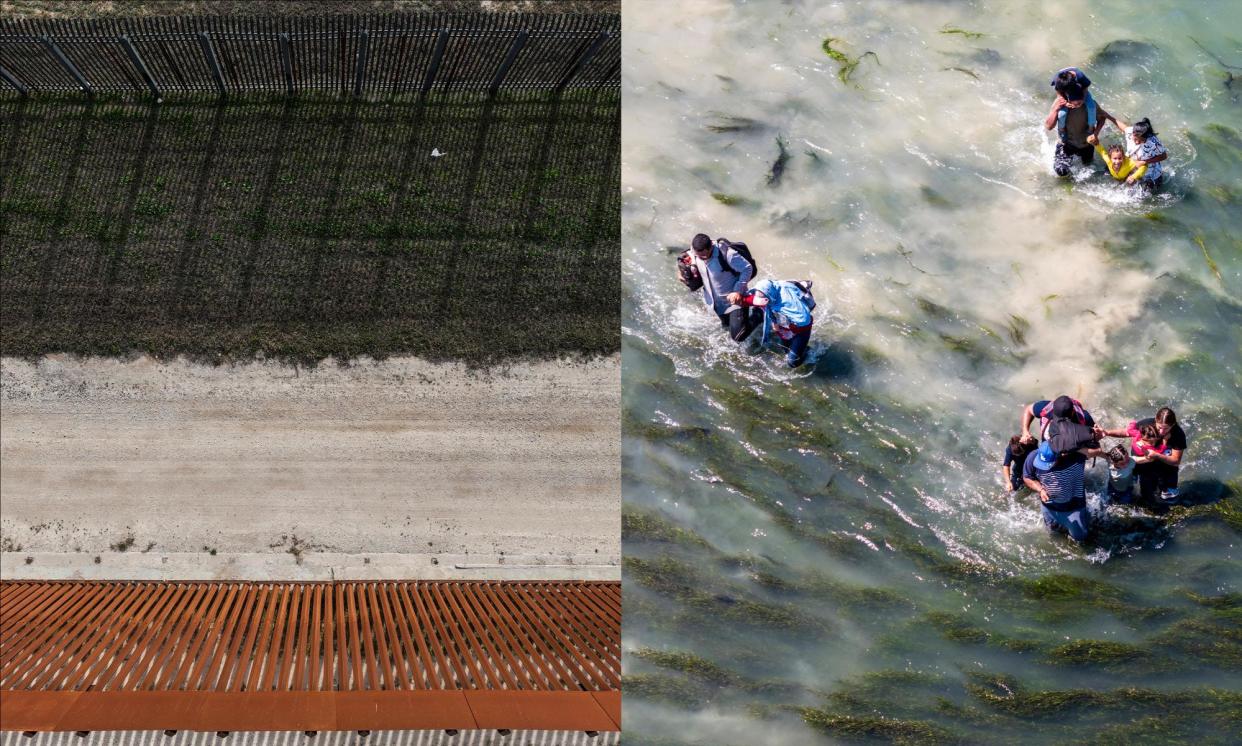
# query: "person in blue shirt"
{"points": [[787, 316]]}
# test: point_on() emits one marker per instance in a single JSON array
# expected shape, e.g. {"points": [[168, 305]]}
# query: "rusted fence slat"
{"points": [[241, 638]]}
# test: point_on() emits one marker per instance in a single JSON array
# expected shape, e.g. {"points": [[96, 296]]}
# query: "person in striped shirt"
{"points": [[1060, 482]]}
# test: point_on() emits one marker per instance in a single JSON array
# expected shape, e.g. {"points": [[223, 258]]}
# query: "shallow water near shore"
{"points": [[828, 553]]}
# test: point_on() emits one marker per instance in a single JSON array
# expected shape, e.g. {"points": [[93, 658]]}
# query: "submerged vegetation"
{"points": [[847, 64], [862, 491]]}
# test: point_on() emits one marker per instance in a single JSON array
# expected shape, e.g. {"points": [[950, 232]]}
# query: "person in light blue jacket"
{"points": [[787, 316]]}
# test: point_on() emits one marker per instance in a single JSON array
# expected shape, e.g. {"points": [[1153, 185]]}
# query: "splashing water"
{"points": [[828, 551]]}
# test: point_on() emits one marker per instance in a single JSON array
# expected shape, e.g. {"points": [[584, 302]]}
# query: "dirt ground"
{"points": [[105, 457]]}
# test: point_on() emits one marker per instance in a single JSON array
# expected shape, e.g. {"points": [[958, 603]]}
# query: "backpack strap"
{"points": [[724, 246]]}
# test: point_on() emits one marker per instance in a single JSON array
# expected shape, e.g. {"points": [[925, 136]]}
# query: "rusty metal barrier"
{"points": [[309, 656]]}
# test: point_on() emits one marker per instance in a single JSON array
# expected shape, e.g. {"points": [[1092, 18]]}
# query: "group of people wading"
{"points": [[1078, 120], [1053, 465], [723, 271]]}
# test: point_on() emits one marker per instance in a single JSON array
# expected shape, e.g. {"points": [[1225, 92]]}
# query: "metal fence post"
{"points": [[360, 64], [65, 63], [8, 78], [516, 47], [209, 52], [585, 58], [286, 63], [434, 67], [142, 67]]}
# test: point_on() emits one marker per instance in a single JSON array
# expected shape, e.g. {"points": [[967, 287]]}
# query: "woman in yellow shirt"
{"points": [[1120, 167]]}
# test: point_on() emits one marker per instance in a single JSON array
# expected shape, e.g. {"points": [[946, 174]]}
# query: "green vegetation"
{"points": [[455, 230], [645, 526], [877, 728], [672, 690], [847, 64], [947, 29], [683, 584]]}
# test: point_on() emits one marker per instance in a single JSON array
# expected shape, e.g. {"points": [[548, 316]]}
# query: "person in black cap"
{"points": [[1063, 407]]}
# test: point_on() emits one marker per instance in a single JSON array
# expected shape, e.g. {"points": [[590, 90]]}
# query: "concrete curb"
{"points": [[311, 566]]}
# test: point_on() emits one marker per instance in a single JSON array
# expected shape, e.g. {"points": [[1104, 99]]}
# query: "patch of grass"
{"points": [[314, 229]]}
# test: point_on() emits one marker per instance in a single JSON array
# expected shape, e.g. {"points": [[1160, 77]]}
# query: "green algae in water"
{"points": [[954, 30], [1107, 654], [673, 690], [683, 584], [1006, 694], [729, 200], [847, 64], [1208, 257], [645, 526], [855, 727], [689, 664]]}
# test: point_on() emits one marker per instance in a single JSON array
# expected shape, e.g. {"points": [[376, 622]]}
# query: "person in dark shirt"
{"points": [[1048, 409], [1158, 476], [1015, 458]]}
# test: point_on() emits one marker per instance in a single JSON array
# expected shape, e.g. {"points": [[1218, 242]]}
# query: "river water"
{"points": [[827, 554]]}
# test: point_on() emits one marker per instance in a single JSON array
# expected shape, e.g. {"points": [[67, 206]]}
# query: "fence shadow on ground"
{"points": [[461, 228]]}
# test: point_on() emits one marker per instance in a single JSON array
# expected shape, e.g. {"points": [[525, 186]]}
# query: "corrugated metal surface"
{"points": [[83, 655]]}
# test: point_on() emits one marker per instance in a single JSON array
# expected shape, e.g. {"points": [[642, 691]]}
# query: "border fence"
{"points": [[395, 54]]}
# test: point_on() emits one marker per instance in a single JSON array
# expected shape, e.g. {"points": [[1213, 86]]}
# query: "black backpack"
{"points": [[740, 248], [1066, 436]]}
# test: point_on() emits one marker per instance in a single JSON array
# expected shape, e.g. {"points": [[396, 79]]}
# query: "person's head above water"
{"points": [[1063, 406], [1166, 420], [764, 291], [1071, 84], [1142, 130], [1117, 155], [1118, 457], [702, 245], [1071, 91]]}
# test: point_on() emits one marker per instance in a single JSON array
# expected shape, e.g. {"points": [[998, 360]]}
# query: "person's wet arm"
{"points": [[1028, 416], [1103, 117], [1036, 487], [1057, 105], [745, 272], [1173, 458]]}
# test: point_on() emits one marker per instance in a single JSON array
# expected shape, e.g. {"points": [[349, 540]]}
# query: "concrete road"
{"points": [[244, 470]]}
